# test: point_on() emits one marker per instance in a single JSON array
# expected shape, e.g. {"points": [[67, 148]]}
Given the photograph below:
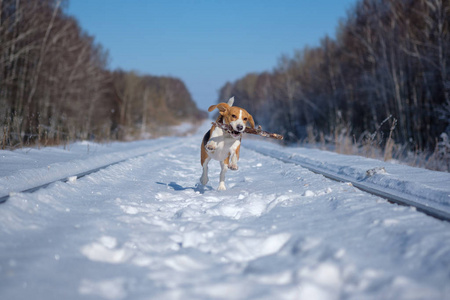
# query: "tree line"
{"points": [[55, 84], [388, 62]]}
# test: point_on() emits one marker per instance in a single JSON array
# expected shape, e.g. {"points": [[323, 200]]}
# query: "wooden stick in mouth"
{"points": [[256, 131]]}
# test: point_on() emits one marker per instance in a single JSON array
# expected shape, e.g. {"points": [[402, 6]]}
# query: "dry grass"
{"points": [[377, 146], [45, 136]]}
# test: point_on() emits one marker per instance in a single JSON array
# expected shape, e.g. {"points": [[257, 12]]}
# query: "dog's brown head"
{"points": [[235, 116]]}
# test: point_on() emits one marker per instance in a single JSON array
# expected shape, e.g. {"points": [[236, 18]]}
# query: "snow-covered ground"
{"points": [[144, 229]]}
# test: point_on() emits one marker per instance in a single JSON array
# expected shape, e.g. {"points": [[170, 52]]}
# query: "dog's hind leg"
{"points": [[222, 176], [204, 178], [204, 160]]}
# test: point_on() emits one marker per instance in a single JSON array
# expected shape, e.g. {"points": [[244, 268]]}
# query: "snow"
{"points": [[431, 189], [27, 168], [144, 229]]}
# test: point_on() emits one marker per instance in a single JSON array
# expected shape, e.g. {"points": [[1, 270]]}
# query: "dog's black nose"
{"points": [[239, 127]]}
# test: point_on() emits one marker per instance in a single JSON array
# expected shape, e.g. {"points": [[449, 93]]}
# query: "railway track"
{"points": [[65, 179], [390, 195], [4, 198]]}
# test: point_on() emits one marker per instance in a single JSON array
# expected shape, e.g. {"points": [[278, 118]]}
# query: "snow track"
{"points": [[22, 183], [429, 201], [399, 189], [144, 229]]}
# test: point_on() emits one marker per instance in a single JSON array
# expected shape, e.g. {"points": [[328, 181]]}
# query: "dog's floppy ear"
{"points": [[252, 122], [222, 107]]}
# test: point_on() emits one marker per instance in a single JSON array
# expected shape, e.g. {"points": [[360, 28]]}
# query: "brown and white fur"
{"points": [[222, 145]]}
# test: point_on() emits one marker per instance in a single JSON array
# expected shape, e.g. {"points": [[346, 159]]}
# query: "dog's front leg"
{"points": [[222, 176], [233, 162], [211, 146], [234, 155], [213, 143]]}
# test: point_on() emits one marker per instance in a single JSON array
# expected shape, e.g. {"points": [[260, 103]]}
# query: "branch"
{"points": [[256, 131]]}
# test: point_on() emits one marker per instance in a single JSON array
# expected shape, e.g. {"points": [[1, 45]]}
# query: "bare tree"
{"points": [[389, 57]]}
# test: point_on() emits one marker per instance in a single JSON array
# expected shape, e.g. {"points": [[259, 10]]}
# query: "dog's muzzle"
{"points": [[235, 134]]}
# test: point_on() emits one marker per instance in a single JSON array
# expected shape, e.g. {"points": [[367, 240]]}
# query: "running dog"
{"points": [[222, 145]]}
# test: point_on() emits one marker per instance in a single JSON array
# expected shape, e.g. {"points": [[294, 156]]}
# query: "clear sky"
{"points": [[206, 42]]}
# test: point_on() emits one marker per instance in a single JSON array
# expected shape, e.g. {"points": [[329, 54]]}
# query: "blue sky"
{"points": [[206, 42]]}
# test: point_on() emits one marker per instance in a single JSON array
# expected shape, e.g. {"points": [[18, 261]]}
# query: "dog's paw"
{"points": [[211, 146], [204, 180], [222, 186], [233, 167]]}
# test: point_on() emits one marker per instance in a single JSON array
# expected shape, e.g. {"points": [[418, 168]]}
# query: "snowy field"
{"points": [[144, 229]]}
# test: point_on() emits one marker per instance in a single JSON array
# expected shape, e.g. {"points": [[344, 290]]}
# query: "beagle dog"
{"points": [[223, 145]]}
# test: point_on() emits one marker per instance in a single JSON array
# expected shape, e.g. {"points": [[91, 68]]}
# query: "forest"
{"points": [[382, 84], [55, 85], [380, 87]]}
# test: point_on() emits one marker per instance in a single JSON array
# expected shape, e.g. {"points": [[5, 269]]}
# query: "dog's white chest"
{"points": [[222, 143]]}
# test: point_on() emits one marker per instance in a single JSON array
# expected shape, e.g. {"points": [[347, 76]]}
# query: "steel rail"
{"points": [[4, 198], [392, 196]]}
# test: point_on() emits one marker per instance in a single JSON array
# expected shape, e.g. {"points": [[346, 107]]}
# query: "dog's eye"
{"points": [[233, 116], [245, 119]]}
